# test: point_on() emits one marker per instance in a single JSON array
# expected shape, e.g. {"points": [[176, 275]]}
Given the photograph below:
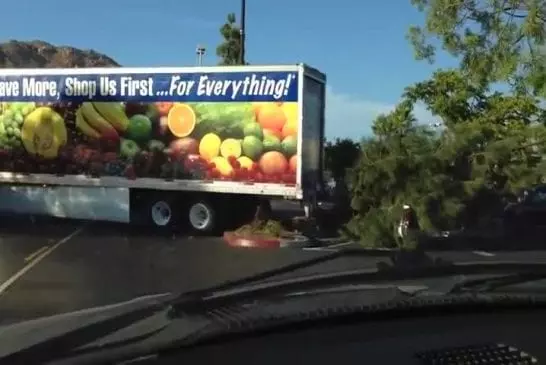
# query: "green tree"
{"points": [[491, 146], [495, 40], [493, 143], [396, 123], [394, 168], [340, 155], [229, 50], [482, 124]]}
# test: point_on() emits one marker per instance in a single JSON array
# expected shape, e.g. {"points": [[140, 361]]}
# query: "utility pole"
{"points": [[200, 51], [243, 33]]}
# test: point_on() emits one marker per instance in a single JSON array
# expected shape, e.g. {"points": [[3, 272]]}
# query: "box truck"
{"points": [[166, 146]]}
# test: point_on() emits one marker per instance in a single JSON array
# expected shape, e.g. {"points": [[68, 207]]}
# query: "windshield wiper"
{"points": [[223, 297], [410, 259], [26, 346], [496, 282]]}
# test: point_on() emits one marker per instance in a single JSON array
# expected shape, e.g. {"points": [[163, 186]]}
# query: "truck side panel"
{"points": [[224, 130]]}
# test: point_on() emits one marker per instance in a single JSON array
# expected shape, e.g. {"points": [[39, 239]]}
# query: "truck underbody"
{"points": [[199, 213]]}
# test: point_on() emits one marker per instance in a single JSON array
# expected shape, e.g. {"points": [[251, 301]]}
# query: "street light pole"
{"points": [[242, 30], [200, 51]]}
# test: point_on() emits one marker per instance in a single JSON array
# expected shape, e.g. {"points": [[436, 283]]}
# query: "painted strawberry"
{"points": [[232, 160], [215, 173], [244, 173]]}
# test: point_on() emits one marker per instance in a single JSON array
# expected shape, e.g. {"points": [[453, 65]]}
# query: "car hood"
{"points": [[21, 335]]}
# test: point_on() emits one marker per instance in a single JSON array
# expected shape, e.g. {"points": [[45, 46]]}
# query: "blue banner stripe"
{"points": [[202, 87]]}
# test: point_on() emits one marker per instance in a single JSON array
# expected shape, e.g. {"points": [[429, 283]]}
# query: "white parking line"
{"points": [[333, 247], [329, 247], [35, 260], [319, 249], [340, 244], [33, 255], [483, 253]]}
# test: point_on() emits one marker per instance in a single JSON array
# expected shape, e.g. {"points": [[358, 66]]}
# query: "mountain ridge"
{"points": [[41, 54]]}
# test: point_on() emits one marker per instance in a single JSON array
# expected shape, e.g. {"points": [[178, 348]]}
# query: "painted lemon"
{"points": [[231, 147], [209, 147], [291, 111]]}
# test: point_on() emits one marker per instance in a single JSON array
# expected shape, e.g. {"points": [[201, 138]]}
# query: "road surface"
{"points": [[50, 267]]}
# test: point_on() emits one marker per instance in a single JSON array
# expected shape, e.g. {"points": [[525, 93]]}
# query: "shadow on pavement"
{"points": [[287, 212], [36, 226], [462, 241], [41, 225]]}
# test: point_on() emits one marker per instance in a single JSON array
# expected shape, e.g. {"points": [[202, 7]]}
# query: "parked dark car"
{"points": [[529, 211]]}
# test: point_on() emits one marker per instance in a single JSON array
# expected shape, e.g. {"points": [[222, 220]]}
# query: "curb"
{"points": [[297, 241], [294, 242], [235, 240]]}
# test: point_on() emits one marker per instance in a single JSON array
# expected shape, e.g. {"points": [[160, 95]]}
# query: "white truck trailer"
{"points": [[165, 146]]}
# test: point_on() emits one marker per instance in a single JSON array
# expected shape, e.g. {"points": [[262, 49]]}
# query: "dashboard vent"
{"points": [[497, 354]]}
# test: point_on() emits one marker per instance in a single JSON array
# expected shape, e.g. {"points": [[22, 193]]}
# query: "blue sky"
{"points": [[360, 45]]}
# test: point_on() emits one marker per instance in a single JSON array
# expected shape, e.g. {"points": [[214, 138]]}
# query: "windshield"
{"points": [[182, 147]]}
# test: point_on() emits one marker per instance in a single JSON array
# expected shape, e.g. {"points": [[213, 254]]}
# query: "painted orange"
{"points": [[293, 164], [273, 132], [273, 163], [271, 116], [181, 120]]}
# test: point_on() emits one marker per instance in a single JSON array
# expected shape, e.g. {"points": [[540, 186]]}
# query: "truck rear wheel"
{"points": [[202, 217], [154, 209], [161, 213]]}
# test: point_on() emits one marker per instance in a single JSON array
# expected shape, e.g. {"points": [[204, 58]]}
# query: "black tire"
{"points": [[156, 210], [202, 217], [161, 213]]}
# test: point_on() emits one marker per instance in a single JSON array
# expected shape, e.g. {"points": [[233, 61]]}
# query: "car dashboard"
{"points": [[507, 337]]}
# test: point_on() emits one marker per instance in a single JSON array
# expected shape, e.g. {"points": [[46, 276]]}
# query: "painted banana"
{"points": [[95, 120], [84, 127], [114, 114]]}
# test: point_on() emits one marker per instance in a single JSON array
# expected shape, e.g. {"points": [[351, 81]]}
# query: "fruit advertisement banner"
{"points": [[231, 126]]}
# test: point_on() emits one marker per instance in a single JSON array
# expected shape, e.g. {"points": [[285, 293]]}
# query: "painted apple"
{"points": [[184, 146]]}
